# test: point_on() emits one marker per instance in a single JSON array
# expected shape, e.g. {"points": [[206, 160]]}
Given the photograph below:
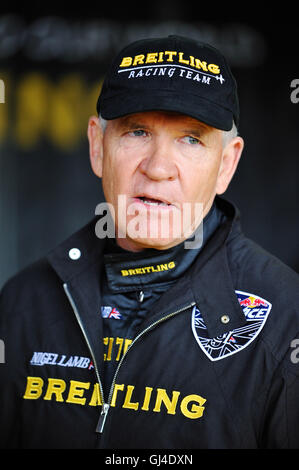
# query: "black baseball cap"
{"points": [[172, 73]]}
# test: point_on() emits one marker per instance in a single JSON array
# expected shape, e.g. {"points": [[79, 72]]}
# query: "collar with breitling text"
{"points": [[127, 271]]}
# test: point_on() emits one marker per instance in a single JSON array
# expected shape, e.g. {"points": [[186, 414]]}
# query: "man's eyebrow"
{"points": [[193, 131], [196, 130], [129, 122]]}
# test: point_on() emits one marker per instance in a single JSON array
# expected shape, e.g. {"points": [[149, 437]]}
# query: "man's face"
{"points": [[161, 172]]}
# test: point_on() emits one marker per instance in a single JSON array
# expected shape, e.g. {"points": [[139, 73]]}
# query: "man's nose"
{"points": [[159, 163]]}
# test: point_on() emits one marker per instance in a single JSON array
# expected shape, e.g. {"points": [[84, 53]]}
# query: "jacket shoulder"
{"points": [[41, 283], [261, 274], [36, 280], [257, 265]]}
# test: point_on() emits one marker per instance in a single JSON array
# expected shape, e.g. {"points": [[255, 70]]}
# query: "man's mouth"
{"points": [[152, 202]]}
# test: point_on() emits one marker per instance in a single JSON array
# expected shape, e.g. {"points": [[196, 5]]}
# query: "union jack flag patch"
{"points": [[256, 311], [110, 312]]}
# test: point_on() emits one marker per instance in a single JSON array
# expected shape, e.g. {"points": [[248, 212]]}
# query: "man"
{"points": [[178, 332]]}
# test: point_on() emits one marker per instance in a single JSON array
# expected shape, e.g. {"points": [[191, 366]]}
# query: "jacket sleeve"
{"points": [[9, 400], [280, 428]]}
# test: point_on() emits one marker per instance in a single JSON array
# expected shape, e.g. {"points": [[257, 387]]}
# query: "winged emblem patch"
{"points": [[256, 311]]}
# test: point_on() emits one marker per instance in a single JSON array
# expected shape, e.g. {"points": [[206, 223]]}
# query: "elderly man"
{"points": [[177, 332]]}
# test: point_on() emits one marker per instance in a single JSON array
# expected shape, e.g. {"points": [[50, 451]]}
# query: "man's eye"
{"points": [[188, 139], [138, 133]]}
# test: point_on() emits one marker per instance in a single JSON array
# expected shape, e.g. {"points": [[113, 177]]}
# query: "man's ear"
{"points": [[95, 137], [230, 158]]}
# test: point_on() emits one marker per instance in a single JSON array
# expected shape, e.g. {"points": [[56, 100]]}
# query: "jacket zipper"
{"points": [[106, 406], [77, 314]]}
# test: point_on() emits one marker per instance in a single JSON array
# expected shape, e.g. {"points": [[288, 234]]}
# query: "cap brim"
{"points": [[202, 109]]}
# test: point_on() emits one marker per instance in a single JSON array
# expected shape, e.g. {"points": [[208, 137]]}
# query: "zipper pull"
{"points": [[141, 296], [102, 419]]}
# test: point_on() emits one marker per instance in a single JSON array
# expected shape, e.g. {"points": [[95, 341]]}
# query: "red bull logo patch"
{"points": [[252, 302], [256, 311]]}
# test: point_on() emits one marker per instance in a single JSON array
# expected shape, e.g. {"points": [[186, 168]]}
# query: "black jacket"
{"points": [[213, 365]]}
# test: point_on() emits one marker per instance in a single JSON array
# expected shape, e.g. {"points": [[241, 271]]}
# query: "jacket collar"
{"points": [[78, 253], [212, 282], [208, 283], [78, 261]]}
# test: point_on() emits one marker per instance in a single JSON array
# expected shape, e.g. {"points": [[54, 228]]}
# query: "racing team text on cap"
{"points": [[141, 65]]}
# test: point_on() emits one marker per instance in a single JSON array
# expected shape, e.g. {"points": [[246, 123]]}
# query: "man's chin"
{"points": [[140, 244]]}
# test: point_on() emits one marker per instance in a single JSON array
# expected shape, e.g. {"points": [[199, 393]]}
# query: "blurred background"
{"points": [[52, 63]]}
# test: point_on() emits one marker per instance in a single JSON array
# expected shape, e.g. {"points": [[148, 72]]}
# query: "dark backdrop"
{"points": [[52, 62]]}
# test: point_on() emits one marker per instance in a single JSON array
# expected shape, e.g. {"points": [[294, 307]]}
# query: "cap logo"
{"points": [[169, 63], [176, 74]]}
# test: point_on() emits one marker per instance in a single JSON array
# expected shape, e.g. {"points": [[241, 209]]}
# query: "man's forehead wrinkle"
{"points": [[138, 120], [133, 121]]}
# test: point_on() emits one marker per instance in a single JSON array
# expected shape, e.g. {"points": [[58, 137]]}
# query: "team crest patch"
{"points": [[110, 312], [256, 311]]}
